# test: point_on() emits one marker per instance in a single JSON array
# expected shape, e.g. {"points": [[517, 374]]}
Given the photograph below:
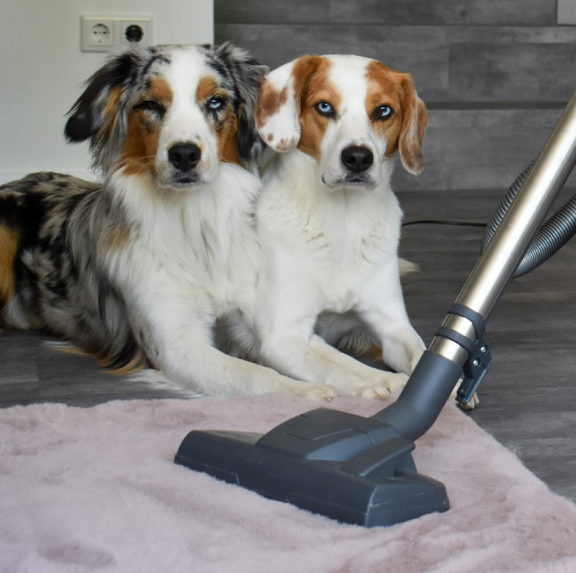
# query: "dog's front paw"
{"points": [[375, 385], [314, 391], [372, 392], [395, 380]]}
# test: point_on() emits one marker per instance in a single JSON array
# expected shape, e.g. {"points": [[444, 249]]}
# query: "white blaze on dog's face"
{"points": [[347, 112], [171, 113], [182, 126]]}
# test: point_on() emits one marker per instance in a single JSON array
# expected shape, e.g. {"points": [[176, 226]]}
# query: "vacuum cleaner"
{"points": [[360, 470]]}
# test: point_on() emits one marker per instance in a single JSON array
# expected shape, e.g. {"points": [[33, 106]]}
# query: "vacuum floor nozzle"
{"points": [[350, 468]]}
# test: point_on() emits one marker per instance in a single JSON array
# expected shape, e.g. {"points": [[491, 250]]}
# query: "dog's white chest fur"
{"points": [[204, 238], [333, 239]]}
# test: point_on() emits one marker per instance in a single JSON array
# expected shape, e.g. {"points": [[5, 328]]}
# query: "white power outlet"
{"points": [[97, 34], [105, 33]]}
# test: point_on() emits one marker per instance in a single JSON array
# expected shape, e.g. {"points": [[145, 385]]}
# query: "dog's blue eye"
{"points": [[216, 103], [325, 109], [383, 112]]}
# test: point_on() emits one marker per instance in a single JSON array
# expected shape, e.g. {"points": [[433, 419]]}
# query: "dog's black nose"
{"points": [[184, 156], [357, 158]]}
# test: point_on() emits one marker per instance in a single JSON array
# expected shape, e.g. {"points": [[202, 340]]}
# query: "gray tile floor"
{"points": [[528, 399]]}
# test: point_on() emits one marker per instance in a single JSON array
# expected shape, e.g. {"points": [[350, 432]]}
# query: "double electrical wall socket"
{"points": [[106, 33]]}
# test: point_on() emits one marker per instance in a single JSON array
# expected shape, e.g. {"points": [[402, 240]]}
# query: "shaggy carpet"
{"points": [[96, 490]]}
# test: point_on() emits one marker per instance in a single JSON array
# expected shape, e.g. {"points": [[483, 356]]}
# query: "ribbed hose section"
{"points": [[505, 204], [551, 237]]}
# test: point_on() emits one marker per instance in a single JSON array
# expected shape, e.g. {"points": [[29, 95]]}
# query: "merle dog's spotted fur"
{"points": [[54, 267], [53, 227]]}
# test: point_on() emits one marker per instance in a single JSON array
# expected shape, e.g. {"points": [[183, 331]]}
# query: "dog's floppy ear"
{"points": [[247, 75], [99, 114], [413, 128], [279, 103]]}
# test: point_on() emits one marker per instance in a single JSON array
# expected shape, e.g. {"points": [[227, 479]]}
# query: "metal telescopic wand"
{"points": [[441, 366]]}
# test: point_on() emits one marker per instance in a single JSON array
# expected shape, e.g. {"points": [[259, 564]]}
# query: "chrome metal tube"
{"points": [[440, 367], [499, 261]]}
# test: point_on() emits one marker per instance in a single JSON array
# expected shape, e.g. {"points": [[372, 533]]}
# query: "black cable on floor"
{"points": [[441, 222]]}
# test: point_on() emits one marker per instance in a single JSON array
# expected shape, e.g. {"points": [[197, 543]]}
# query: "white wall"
{"points": [[42, 70]]}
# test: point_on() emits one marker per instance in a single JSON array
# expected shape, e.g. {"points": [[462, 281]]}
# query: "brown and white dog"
{"points": [[157, 266], [329, 223]]}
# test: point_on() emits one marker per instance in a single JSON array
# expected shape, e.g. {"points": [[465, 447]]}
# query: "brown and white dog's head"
{"points": [[349, 113], [172, 113]]}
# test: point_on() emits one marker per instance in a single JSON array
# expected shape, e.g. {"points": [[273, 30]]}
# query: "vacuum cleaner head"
{"points": [[353, 469]]}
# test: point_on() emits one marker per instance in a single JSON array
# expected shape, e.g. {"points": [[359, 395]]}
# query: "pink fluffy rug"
{"points": [[96, 490]]}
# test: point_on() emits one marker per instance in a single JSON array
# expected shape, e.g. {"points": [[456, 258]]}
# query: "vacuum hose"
{"points": [[550, 238]]}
